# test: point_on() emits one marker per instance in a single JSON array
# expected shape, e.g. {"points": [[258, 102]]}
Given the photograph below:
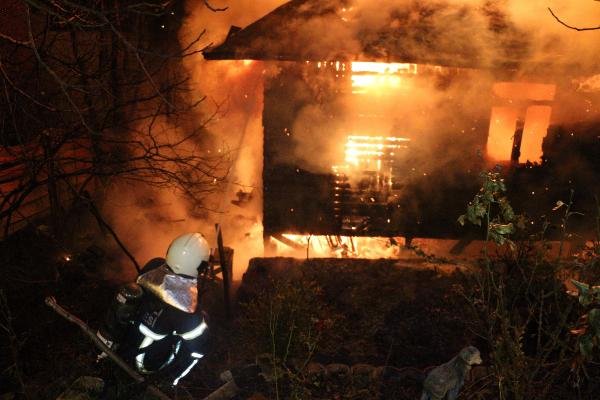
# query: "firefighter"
{"points": [[156, 323]]}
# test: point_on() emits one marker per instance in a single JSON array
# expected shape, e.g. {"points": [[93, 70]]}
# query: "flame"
{"points": [[372, 80], [503, 123], [365, 149], [536, 125], [319, 246], [532, 119], [237, 67], [384, 68], [373, 75]]}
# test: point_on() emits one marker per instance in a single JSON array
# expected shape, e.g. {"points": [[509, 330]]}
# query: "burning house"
{"points": [[379, 120]]}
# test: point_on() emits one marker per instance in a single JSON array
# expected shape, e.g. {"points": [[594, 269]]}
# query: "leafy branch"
{"points": [[491, 206], [588, 331]]}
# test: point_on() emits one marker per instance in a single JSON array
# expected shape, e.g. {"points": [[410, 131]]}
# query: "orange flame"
{"points": [[321, 246], [362, 149]]}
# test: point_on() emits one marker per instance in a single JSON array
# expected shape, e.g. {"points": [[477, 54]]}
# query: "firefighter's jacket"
{"points": [[167, 331]]}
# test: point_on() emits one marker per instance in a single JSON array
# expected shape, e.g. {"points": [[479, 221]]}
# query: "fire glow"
{"points": [[372, 75], [334, 246], [362, 150], [366, 76], [370, 169], [517, 131]]}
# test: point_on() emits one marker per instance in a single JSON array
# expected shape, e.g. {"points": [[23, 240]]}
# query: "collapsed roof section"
{"points": [[436, 32]]}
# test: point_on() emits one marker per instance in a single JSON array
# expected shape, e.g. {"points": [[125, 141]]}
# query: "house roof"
{"points": [[433, 32]]}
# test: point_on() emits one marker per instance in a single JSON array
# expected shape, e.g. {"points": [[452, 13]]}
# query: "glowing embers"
{"points": [[368, 152], [292, 245]]}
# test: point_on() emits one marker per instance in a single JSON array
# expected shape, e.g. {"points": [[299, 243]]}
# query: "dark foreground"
{"points": [[317, 329]]}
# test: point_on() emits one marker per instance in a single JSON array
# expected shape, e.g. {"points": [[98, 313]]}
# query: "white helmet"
{"points": [[187, 252]]}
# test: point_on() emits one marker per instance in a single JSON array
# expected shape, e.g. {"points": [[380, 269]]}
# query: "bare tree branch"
{"points": [[212, 8], [13, 40], [94, 95], [570, 26]]}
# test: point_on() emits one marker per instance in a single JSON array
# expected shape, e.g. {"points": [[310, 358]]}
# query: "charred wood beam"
{"points": [[288, 242]]}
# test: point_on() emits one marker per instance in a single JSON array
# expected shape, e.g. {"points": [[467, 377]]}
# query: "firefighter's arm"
{"points": [[193, 347], [122, 312]]}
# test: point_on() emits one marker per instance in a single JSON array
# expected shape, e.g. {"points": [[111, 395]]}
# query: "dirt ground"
{"points": [[392, 327]]}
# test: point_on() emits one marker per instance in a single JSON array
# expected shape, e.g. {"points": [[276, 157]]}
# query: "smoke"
{"points": [[217, 24], [569, 48], [445, 112], [475, 33], [523, 36], [442, 112], [234, 90], [146, 218], [454, 31]]}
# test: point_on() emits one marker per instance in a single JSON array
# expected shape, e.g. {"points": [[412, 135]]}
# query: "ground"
{"points": [[318, 328]]}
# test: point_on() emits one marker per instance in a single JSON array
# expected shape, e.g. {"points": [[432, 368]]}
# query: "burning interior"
{"points": [[381, 136]]}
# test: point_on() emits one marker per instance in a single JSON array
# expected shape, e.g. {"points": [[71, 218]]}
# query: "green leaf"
{"points": [[461, 220], [480, 210], [502, 229], [584, 292], [488, 197], [581, 287], [472, 215], [508, 214], [594, 320], [586, 345], [502, 186], [496, 238]]}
